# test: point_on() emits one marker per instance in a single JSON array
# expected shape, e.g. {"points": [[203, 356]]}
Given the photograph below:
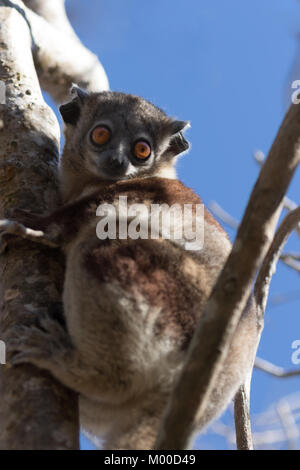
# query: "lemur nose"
{"points": [[118, 161], [118, 164]]}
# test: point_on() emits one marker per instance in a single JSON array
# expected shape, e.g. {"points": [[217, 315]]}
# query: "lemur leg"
{"points": [[140, 436], [237, 368], [48, 346], [137, 422]]}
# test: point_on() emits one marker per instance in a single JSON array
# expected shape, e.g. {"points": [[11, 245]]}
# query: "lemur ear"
{"points": [[177, 126], [178, 143], [78, 92], [71, 111]]}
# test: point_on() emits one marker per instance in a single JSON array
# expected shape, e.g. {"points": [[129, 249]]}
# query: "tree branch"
{"points": [[229, 296], [223, 215], [60, 58], [242, 418], [291, 260], [52, 11], [288, 423], [274, 370], [262, 283], [288, 204], [36, 412]]}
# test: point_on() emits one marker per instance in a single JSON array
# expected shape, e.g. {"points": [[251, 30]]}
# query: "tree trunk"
{"points": [[36, 412]]}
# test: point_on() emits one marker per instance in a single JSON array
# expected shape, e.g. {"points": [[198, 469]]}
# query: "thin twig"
{"points": [[288, 259], [292, 261], [288, 423], [226, 218], [279, 299], [274, 370]]}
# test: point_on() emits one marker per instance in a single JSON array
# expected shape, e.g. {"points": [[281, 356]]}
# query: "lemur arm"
{"points": [[29, 226]]}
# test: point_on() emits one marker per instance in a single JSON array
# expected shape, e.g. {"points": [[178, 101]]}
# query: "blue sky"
{"points": [[227, 67]]}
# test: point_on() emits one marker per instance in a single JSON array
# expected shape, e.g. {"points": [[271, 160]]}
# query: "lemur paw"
{"points": [[23, 227], [46, 346]]}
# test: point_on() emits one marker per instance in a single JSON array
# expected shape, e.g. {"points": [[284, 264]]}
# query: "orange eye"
{"points": [[142, 150], [100, 135]]}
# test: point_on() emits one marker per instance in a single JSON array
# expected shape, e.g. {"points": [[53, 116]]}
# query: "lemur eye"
{"points": [[100, 135], [142, 150]]}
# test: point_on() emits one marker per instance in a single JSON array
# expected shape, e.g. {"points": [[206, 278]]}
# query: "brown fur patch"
{"points": [[150, 268], [157, 190]]}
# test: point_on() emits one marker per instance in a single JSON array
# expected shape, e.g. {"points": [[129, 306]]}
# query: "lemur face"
{"points": [[120, 136]]}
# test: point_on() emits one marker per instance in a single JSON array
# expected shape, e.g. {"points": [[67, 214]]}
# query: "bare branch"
{"points": [[59, 56], [294, 256], [226, 218], [288, 423], [291, 260], [36, 412], [268, 424], [279, 299], [52, 11], [274, 370], [262, 283], [242, 418], [288, 204], [231, 292]]}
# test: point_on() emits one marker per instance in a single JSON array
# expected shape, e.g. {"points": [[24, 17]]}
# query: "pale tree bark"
{"points": [[60, 58], [262, 284], [53, 11], [233, 287], [36, 412], [242, 418]]}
